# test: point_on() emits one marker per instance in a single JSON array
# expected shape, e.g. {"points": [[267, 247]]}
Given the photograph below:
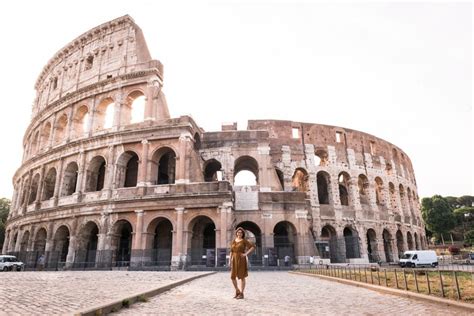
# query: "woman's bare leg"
{"points": [[234, 282], [242, 285]]}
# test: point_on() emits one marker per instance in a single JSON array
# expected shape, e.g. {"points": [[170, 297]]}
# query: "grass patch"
{"points": [[441, 284]]}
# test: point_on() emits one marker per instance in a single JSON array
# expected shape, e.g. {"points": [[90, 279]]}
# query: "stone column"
{"points": [[57, 185], [137, 241], [6, 242], [110, 171], [143, 179], [71, 252], [117, 111], [69, 124], [152, 94], [39, 192], [81, 174], [178, 252], [181, 170], [53, 132]]}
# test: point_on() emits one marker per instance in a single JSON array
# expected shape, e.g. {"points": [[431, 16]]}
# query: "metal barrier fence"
{"points": [[458, 285]]}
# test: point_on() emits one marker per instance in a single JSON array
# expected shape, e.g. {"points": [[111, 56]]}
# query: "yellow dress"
{"points": [[239, 263]]}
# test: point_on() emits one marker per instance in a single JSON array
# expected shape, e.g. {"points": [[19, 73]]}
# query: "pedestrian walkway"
{"points": [[281, 293], [63, 293]]}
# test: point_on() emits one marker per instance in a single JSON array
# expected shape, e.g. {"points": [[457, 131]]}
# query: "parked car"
{"points": [[470, 258], [10, 263], [416, 258]]}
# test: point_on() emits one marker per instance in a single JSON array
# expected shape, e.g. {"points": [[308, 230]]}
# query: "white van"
{"points": [[416, 258]]}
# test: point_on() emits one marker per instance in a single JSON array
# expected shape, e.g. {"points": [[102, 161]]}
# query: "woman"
{"points": [[239, 251]]}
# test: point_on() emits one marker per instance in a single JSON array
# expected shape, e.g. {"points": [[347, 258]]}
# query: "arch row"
{"points": [[93, 243], [86, 118]]}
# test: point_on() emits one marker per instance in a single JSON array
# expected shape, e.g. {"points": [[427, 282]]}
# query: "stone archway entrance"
{"points": [[284, 240], [202, 242]]}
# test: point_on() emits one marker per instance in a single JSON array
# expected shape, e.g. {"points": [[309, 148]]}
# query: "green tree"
{"points": [[437, 214], [4, 209], [469, 237], [466, 200]]}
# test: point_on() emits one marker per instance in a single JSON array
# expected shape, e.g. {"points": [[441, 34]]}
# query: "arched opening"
{"points": [[137, 107], [49, 184], [400, 244], [61, 244], [160, 233], [81, 122], [372, 248], [13, 242], [387, 245], [280, 178], [323, 182], [34, 189], [24, 241], [253, 234], [95, 174], [197, 141], [344, 183], [60, 129], [410, 243], [320, 157], [284, 240], [34, 144], [417, 241], [379, 192], [40, 241], [45, 134], [327, 245], [401, 190], [164, 166], [203, 241], [351, 240], [212, 171], [122, 243], [127, 170], [245, 171], [87, 245], [300, 180], [363, 185], [70, 179], [104, 115], [393, 198]]}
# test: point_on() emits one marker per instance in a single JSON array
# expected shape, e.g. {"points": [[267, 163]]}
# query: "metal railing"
{"points": [[457, 285]]}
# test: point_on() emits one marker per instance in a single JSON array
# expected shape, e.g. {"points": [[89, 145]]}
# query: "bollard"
{"points": [[405, 279], [360, 275], [371, 276], [457, 285], [365, 272], [396, 278], [378, 276], [428, 281], [386, 282], [441, 283], [416, 281]]}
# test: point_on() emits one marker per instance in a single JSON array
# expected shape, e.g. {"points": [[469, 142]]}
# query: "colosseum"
{"points": [[109, 179]]}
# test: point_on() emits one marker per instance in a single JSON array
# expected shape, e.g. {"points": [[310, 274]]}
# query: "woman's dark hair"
{"points": [[242, 230]]}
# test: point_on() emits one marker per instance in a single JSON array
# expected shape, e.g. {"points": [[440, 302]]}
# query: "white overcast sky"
{"points": [[399, 71]]}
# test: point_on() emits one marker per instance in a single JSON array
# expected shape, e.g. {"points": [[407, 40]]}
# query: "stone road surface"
{"points": [[53, 293], [280, 293]]}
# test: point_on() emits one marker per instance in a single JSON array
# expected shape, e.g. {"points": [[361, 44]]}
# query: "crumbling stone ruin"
{"points": [[109, 179]]}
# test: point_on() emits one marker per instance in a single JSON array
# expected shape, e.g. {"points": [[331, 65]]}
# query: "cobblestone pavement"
{"points": [[280, 293], [49, 293]]}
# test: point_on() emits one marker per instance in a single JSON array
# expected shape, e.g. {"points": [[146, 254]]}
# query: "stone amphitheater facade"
{"points": [[100, 186]]}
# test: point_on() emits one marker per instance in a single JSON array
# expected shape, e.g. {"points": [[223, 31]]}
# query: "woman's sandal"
{"points": [[240, 296], [237, 293]]}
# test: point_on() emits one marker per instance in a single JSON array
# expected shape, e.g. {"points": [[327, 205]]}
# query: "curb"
{"points": [[417, 296], [116, 305]]}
